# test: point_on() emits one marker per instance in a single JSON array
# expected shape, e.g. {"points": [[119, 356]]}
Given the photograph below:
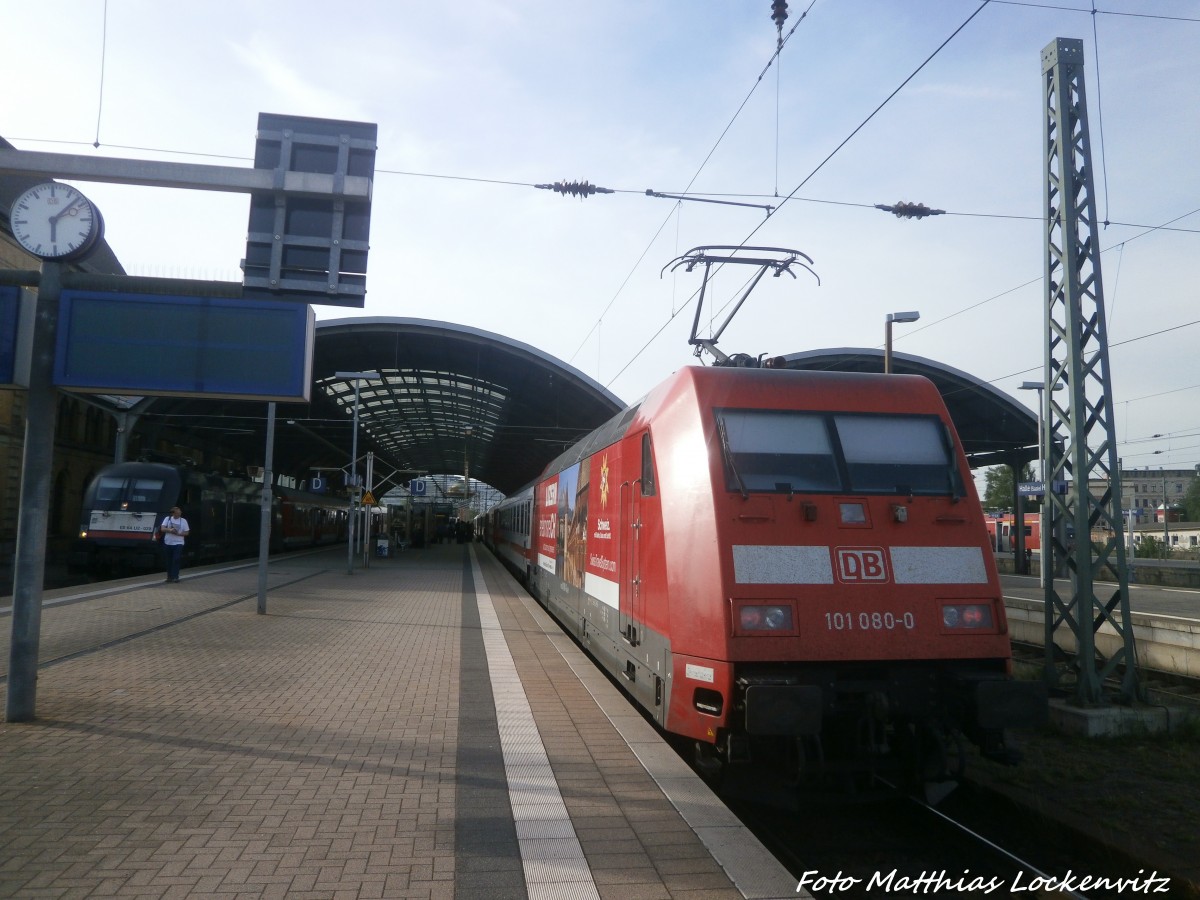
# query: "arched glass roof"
{"points": [[451, 398]]}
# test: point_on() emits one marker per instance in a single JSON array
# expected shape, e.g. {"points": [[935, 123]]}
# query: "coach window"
{"points": [[648, 488]]}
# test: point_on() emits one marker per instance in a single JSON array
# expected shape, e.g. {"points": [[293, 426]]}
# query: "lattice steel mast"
{"points": [[1079, 441]]}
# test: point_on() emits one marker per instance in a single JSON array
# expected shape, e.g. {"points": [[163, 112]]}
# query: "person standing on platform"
{"points": [[174, 529]]}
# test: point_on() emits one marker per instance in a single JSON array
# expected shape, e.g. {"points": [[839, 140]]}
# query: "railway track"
{"points": [[974, 844], [1163, 688]]}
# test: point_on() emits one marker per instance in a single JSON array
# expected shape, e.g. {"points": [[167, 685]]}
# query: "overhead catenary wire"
{"points": [[508, 182], [1100, 115], [103, 57], [783, 40], [819, 166], [1149, 229], [1095, 12]]}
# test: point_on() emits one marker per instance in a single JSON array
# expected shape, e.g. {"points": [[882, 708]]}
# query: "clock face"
{"points": [[55, 221]]}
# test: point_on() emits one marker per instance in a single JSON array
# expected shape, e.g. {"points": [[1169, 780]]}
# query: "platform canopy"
{"points": [[453, 397]]}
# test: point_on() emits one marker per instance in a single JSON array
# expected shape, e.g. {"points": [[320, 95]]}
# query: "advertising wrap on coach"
{"points": [[578, 526]]}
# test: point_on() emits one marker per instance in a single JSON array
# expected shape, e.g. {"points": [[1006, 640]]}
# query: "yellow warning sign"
{"points": [[368, 499]]}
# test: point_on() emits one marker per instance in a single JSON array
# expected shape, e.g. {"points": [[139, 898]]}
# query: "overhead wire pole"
{"points": [[357, 378], [29, 561], [1079, 440], [265, 507]]}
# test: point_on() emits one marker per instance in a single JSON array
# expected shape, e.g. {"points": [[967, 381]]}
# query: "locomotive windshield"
{"points": [[778, 451], [137, 494]]}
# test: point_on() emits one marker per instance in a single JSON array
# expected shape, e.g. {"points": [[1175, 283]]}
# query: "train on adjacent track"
{"points": [[125, 502], [1002, 532], [784, 569]]}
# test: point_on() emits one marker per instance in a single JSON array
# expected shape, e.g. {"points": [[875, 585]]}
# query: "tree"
{"points": [[998, 488], [1151, 547], [1191, 500]]}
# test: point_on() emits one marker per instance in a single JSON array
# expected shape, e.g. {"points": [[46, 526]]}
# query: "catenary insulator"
{"points": [[779, 13], [579, 189], [906, 210]]}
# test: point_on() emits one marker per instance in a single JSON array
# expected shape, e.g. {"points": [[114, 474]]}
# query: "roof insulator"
{"points": [[779, 13], [578, 189], [906, 210]]}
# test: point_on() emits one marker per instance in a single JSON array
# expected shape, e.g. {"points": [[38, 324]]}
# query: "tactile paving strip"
{"points": [[552, 858]]}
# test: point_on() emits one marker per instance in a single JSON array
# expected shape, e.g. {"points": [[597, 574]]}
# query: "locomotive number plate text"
{"points": [[873, 621]]}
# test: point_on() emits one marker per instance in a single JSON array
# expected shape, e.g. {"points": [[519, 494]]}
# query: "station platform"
{"points": [[418, 728]]}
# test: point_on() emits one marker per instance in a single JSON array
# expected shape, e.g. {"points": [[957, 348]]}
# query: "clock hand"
{"points": [[70, 209]]}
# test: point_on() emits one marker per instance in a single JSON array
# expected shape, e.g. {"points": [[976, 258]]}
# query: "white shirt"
{"points": [[180, 525]]}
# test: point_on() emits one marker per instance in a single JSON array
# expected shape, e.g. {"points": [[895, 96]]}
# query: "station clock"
{"points": [[56, 222]]}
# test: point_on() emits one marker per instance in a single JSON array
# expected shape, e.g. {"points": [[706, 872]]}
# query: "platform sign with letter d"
{"points": [[417, 487]]}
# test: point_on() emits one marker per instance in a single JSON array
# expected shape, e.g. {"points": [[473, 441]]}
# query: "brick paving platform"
{"points": [[367, 737]]}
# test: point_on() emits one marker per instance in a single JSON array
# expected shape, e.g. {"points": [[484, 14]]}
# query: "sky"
{"points": [[478, 100]]}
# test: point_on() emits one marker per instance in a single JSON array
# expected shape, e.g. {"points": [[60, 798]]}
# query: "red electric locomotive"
{"points": [[782, 567]]}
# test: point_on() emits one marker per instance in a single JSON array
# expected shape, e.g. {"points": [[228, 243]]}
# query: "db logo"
{"points": [[861, 564]]}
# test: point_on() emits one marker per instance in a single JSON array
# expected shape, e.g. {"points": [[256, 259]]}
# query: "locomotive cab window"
{"points": [[110, 492], [145, 493], [135, 494], [776, 451], [896, 454]]}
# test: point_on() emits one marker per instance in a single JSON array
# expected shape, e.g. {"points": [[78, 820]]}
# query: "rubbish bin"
{"points": [[381, 547]]}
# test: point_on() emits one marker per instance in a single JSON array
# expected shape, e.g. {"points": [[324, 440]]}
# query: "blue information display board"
{"points": [[10, 316], [124, 343]]}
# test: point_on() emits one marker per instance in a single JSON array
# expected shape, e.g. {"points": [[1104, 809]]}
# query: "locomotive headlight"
{"points": [[772, 617], [967, 615]]}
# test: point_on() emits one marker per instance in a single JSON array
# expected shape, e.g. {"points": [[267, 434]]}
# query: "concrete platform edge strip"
{"points": [[750, 866], [557, 864]]}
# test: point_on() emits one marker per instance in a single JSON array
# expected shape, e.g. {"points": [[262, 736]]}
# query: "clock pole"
{"points": [[29, 568]]}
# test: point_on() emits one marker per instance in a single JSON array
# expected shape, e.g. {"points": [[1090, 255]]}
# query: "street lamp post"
{"points": [[466, 472], [910, 316], [357, 378], [1166, 517]]}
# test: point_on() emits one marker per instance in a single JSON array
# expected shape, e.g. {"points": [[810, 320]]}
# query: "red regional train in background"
{"points": [[783, 568], [125, 502], [1003, 535]]}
